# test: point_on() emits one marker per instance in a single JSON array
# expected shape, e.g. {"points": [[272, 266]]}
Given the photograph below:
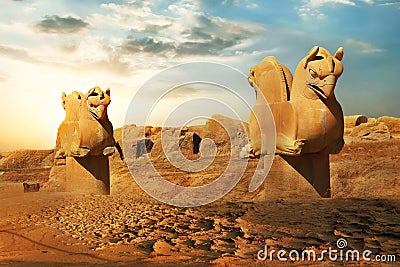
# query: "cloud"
{"points": [[306, 12], [211, 47], [136, 35], [311, 8], [319, 3], [244, 3], [18, 54], [199, 43], [184, 91], [197, 33], [363, 47], [68, 47], [146, 45], [182, 30], [112, 65], [230, 2], [389, 3], [252, 5], [3, 78], [152, 47], [152, 28], [23, 56], [61, 25]]}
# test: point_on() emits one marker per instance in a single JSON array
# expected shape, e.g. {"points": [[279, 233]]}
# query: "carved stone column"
{"points": [[89, 175]]}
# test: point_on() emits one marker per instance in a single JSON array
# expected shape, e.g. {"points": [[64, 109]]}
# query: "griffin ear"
{"points": [[252, 70], [108, 92], [63, 97], [90, 91], [311, 55], [339, 54]]}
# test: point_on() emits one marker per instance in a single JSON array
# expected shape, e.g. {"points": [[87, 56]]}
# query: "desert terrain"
{"points": [[129, 228]]}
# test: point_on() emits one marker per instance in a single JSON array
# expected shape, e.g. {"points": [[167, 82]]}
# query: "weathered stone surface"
{"points": [[350, 122], [393, 124], [57, 179], [86, 129], [216, 129], [308, 118], [68, 132], [96, 130], [84, 141], [354, 120], [88, 175], [370, 131]]}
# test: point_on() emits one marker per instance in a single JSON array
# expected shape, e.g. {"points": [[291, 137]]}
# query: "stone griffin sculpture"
{"points": [[86, 129], [308, 118], [85, 139]]}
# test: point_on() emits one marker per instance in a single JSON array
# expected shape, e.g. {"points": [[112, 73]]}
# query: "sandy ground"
{"points": [[61, 229]]}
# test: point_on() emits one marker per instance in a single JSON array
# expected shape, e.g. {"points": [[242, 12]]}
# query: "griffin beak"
{"points": [[317, 90], [251, 82]]}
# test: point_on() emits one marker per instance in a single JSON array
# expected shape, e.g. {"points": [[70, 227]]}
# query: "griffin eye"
{"points": [[313, 74]]}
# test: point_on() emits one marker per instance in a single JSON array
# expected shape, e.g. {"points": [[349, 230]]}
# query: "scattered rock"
{"points": [[161, 247], [370, 131], [354, 120], [28, 188], [393, 124]]}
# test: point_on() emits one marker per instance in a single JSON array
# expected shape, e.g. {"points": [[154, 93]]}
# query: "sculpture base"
{"points": [[89, 175], [297, 177], [302, 177]]}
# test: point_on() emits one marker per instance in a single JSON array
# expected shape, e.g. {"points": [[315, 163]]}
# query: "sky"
{"points": [[48, 47]]}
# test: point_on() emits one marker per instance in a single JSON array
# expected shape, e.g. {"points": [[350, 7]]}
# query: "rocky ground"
{"points": [[130, 228], [58, 228]]}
